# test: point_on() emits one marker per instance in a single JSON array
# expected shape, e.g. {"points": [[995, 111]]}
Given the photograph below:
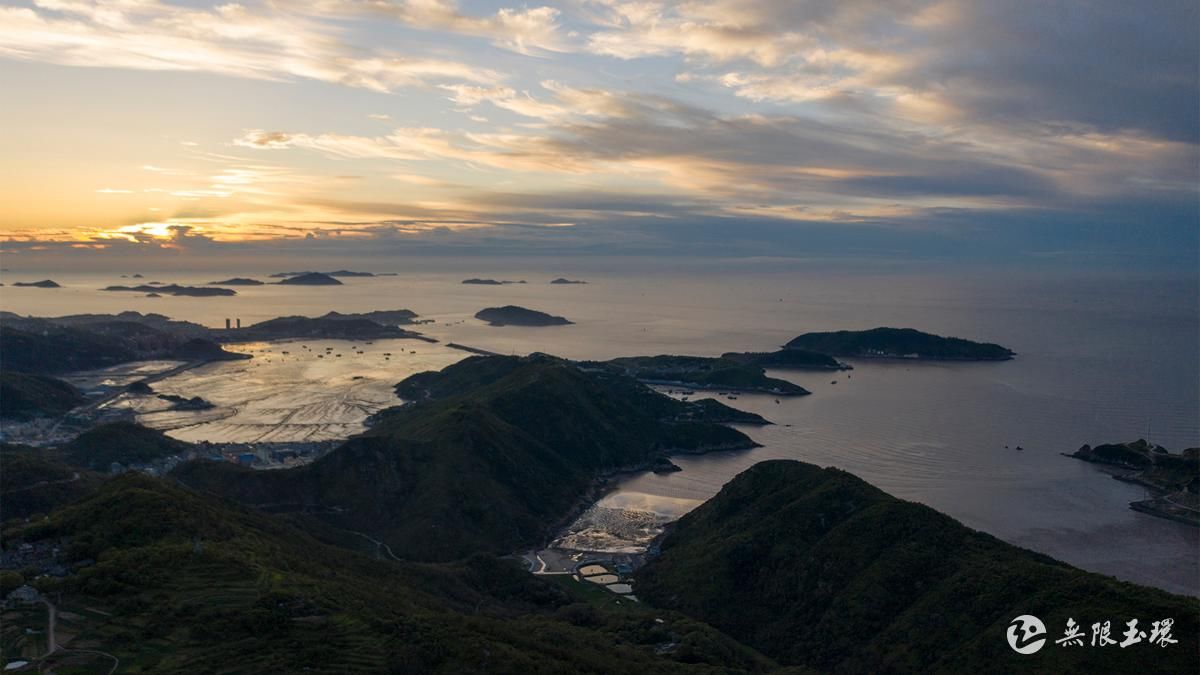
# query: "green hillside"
{"points": [[499, 450], [183, 583], [815, 567], [121, 442], [899, 342], [25, 396], [36, 481]]}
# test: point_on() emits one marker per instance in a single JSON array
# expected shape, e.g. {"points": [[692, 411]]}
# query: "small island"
{"points": [[899, 343], [174, 289], [44, 283], [490, 282], [237, 281], [561, 280], [310, 279], [511, 315], [1174, 479], [788, 359]]}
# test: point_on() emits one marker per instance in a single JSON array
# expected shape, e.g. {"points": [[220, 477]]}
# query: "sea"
{"points": [[1102, 357]]}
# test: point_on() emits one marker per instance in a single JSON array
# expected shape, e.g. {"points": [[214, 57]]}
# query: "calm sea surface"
{"points": [[1100, 360]]}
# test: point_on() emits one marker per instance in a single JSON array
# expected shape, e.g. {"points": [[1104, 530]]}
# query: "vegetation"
{"points": [[816, 568], [37, 481], [1174, 479], [121, 442], [89, 341], [705, 373], [24, 396], [799, 359], [511, 315], [330, 327], [498, 450], [183, 583], [59, 350], [899, 343]]}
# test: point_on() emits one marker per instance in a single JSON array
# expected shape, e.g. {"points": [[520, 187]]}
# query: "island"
{"points": [[174, 289], [490, 282], [310, 279], [511, 315], [899, 343], [44, 283], [237, 281], [561, 281], [701, 372], [788, 359], [1174, 479], [336, 273]]}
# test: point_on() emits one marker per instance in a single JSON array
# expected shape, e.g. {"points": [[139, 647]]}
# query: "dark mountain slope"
{"points": [[506, 448], [195, 584], [815, 567]]}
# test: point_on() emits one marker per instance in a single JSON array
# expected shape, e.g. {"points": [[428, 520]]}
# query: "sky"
{"points": [[1056, 132]]}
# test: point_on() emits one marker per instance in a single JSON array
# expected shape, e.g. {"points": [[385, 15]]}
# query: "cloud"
{"points": [[264, 43]]}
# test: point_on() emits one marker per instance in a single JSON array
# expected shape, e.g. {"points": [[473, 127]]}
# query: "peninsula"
{"points": [[899, 343], [1174, 479], [511, 315], [342, 327], [44, 283], [788, 359], [701, 372]]}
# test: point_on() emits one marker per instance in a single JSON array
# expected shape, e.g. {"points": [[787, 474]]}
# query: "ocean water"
{"points": [[1100, 359]]}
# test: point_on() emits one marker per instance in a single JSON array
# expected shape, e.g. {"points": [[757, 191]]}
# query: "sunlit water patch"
{"points": [[299, 390]]}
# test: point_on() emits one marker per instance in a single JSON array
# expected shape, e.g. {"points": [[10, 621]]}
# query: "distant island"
{"points": [[561, 280], [1175, 479], [490, 282], [511, 315], [337, 273], [899, 343], [310, 279], [788, 359], [701, 372], [174, 289], [237, 281], [44, 283]]}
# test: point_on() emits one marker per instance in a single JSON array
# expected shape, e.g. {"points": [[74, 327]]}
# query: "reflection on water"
{"points": [[1100, 360], [310, 390]]}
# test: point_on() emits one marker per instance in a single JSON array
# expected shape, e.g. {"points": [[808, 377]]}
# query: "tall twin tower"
{"points": [[227, 326]]}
